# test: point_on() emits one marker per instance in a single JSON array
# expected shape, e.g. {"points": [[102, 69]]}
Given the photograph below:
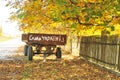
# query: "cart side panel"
{"points": [[47, 39], [25, 37]]}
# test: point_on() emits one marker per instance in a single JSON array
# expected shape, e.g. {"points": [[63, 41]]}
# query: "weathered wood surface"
{"points": [[45, 39], [104, 50]]}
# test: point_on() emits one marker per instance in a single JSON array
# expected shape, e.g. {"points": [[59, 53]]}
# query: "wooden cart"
{"points": [[45, 44]]}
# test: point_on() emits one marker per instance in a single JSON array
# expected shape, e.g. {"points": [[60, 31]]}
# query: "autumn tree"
{"points": [[72, 17], [76, 15], [83, 14], [34, 16]]}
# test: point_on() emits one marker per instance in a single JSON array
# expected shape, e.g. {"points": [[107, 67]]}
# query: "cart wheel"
{"points": [[30, 53], [58, 52], [25, 50]]}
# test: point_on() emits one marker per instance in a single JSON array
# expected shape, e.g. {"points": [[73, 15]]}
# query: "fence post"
{"points": [[119, 58]]}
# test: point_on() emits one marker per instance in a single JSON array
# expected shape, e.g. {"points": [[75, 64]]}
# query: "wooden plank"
{"points": [[103, 50], [119, 59], [25, 37]]}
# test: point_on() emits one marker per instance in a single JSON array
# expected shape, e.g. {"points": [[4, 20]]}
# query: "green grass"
{"points": [[3, 38]]}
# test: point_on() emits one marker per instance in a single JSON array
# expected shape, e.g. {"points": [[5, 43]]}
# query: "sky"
{"points": [[8, 26]]}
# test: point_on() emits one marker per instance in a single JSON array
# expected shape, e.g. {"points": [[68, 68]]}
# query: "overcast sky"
{"points": [[7, 26]]}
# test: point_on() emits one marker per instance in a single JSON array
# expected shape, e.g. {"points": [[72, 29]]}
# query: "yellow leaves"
{"points": [[98, 28], [46, 15], [12, 17], [92, 1], [46, 21], [95, 1], [98, 20], [80, 27], [51, 7], [36, 16], [64, 69], [117, 30], [116, 21], [79, 30], [87, 31], [106, 18], [81, 4], [57, 28], [39, 20], [11, 69]]}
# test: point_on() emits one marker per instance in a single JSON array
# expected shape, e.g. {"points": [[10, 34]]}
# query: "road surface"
{"points": [[9, 47]]}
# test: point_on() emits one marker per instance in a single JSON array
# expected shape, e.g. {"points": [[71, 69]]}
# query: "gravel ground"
{"points": [[9, 48]]}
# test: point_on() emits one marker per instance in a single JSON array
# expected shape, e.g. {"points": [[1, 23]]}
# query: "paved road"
{"points": [[9, 47]]}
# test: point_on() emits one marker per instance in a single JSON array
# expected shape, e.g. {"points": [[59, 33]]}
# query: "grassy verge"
{"points": [[3, 38]]}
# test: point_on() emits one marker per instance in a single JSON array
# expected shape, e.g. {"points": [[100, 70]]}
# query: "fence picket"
{"points": [[103, 50]]}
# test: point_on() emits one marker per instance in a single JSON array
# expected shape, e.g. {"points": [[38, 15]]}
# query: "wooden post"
{"points": [[103, 47], [119, 59]]}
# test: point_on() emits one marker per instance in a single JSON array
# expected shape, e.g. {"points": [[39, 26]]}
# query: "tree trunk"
{"points": [[76, 46]]}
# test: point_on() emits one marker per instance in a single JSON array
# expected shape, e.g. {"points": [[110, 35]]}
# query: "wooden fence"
{"points": [[102, 50]]}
